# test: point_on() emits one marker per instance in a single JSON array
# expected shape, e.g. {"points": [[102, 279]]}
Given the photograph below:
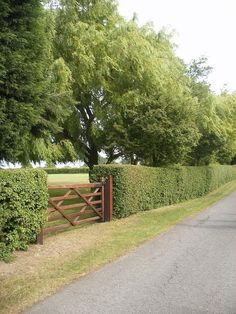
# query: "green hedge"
{"points": [[66, 170], [138, 188], [23, 204]]}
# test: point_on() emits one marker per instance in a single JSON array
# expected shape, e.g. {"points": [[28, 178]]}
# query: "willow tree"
{"points": [[120, 71], [226, 112], [155, 117], [215, 118], [83, 40]]}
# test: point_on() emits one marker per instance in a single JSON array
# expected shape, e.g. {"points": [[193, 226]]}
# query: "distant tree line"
{"points": [[77, 79]]}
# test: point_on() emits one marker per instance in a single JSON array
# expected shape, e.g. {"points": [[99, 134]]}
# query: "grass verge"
{"points": [[68, 178], [67, 256]]}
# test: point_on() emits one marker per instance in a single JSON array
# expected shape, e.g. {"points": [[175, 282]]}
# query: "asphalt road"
{"points": [[190, 269]]}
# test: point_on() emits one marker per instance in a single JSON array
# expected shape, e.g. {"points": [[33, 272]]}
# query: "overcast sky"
{"points": [[203, 27]]}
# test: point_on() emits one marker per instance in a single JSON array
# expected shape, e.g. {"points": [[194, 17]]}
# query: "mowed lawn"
{"points": [[67, 178]]}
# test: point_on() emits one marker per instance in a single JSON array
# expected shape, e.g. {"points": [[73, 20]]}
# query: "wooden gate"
{"points": [[76, 204]]}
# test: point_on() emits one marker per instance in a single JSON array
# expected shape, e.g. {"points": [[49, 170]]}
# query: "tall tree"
{"points": [[120, 74], [28, 81], [82, 40], [226, 112], [154, 120], [203, 152], [215, 118]]}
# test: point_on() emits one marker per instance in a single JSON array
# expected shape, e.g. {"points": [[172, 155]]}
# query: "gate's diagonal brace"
{"points": [[67, 194], [61, 212], [83, 208], [90, 199], [88, 202]]}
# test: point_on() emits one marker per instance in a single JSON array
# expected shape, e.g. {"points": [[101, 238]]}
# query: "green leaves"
{"points": [[138, 188], [35, 90], [23, 208], [78, 80], [215, 119], [132, 94]]}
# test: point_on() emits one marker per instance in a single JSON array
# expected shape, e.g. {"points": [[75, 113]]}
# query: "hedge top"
{"points": [[140, 188]]}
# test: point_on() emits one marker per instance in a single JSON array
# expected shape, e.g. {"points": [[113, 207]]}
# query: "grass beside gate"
{"points": [[67, 256]]}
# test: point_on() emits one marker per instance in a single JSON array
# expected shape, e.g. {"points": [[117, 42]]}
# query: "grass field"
{"points": [[64, 257], [68, 178]]}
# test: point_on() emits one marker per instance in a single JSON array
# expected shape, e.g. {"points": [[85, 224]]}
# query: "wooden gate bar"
{"points": [[74, 186], [74, 215], [56, 228], [79, 205]]}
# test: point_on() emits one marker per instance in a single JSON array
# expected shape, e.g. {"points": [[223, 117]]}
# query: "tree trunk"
{"points": [[91, 157], [133, 159]]}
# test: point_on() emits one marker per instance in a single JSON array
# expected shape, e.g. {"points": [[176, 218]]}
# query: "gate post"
{"points": [[39, 239], [108, 199]]}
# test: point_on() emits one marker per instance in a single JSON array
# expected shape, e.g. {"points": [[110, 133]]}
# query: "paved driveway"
{"points": [[190, 269]]}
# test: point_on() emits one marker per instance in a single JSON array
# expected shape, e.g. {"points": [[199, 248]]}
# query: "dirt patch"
{"points": [[56, 247]]}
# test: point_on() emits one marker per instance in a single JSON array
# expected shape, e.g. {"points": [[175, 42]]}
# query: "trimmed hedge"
{"points": [[138, 188], [23, 204], [66, 170]]}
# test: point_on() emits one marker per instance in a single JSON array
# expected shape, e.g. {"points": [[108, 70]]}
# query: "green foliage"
{"points": [[76, 79], [233, 161], [83, 39], [226, 111], [216, 119], [131, 92], [138, 188], [23, 54], [207, 120], [217, 126], [23, 204], [154, 116], [66, 170], [33, 86], [199, 71]]}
